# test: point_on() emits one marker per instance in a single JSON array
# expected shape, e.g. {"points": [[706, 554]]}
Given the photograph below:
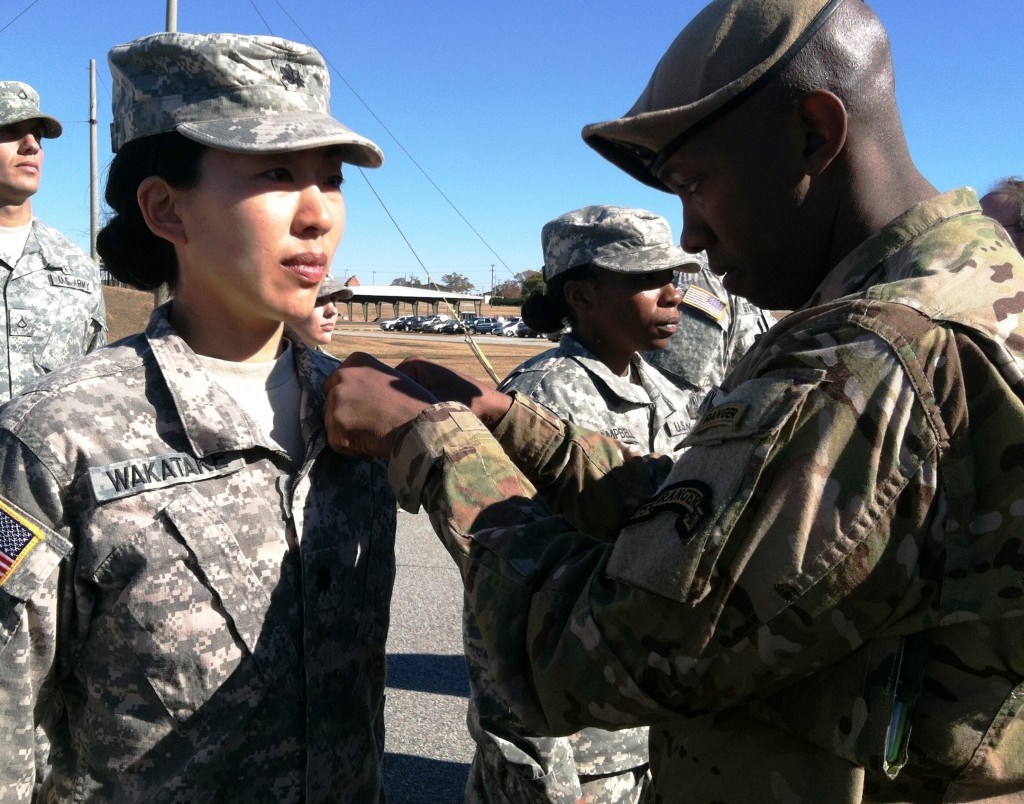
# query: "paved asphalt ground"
{"points": [[427, 747]]}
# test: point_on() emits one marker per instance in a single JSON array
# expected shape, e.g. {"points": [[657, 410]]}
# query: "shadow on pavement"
{"points": [[428, 672], [417, 780]]}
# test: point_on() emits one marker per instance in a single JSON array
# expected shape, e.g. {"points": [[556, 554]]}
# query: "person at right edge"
{"points": [[821, 599]]}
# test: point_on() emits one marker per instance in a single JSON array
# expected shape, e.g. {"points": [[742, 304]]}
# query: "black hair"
{"points": [[547, 311], [129, 249]]}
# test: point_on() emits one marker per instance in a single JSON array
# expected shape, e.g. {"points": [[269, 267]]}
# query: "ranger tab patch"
{"points": [[18, 537], [728, 414], [690, 500]]}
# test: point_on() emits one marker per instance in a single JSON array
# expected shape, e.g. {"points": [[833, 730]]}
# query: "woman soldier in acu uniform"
{"points": [[195, 599]]}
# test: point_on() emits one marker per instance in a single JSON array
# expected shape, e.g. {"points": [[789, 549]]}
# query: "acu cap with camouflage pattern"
{"points": [[631, 241], [20, 102], [332, 289], [246, 94], [728, 51]]}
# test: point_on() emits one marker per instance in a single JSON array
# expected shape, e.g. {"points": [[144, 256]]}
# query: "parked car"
{"points": [[435, 323], [392, 323], [426, 322], [524, 331], [409, 324], [506, 328], [452, 327], [483, 325]]}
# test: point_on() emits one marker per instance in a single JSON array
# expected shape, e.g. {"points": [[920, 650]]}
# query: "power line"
{"points": [[419, 167], [15, 19]]}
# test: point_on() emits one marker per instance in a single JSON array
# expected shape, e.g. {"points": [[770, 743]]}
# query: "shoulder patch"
{"points": [[728, 414], [705, 301], [690, 500], [18, 537]]}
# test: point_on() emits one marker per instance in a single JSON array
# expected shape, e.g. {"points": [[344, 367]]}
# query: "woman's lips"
{"points": [[310, 266]]}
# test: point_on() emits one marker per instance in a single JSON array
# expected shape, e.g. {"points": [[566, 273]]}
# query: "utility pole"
{"points": [[163, 293], [94, 192], [492, 277]]}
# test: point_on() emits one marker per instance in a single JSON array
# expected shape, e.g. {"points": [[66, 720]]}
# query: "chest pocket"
{"points": [[196, 618], [672, 544]]}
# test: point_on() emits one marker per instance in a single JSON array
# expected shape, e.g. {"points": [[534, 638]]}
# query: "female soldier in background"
{"points": [[317, 328], [609, 275]]}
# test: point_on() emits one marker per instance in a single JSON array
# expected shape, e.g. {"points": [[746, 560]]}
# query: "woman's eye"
{"points": [[335, 181], [279, 174]]}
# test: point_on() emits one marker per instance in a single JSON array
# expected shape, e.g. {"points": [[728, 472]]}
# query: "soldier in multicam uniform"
{"points": [[1005, 203], [821, 599], [610, 272], [194, 587], [52, 307]]}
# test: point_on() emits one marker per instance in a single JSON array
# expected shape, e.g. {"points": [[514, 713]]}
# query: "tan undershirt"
{"points": [[269, 392]]}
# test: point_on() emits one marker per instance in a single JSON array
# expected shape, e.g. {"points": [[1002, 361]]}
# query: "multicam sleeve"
{"points": [[764, 555], [30, 555], [593, 480], [590, 479]]}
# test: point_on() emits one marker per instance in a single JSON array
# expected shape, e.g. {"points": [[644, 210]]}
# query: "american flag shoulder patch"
{"points": [[19, 536], [705, 301]]}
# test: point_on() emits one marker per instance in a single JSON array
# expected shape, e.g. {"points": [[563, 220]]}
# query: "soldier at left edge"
{"points": [[52, 308]]}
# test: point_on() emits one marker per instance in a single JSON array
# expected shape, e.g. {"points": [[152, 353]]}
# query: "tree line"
{"points": [[519, 287]]}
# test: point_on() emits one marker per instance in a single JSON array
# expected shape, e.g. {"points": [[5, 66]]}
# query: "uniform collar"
{"points": [[53, 257], [212, 422], [870, 264], [622, 387]]}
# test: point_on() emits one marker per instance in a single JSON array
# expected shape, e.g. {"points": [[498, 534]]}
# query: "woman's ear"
{"points": [[158, 202], [579, 294], [824, 118]]}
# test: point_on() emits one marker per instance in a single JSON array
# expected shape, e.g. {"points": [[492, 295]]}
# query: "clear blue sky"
{"points": [[488, 98]]}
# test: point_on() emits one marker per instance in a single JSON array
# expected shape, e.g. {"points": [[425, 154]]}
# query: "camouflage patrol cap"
{"points": [[20, 102], [246, 94], [332, 289], [631, 241], [727, 52]]}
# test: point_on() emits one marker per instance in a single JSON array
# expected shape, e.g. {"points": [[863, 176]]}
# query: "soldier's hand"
{"points": [[367, 404], [487, 403]]}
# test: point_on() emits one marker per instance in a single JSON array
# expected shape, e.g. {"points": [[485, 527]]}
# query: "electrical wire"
{"points": [[20, 13], [468, 336]]}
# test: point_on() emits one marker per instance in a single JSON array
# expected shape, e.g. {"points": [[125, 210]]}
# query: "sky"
{"points": [[478, 107]]}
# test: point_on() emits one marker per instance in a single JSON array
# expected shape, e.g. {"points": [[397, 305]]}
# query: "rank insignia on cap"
{"points": [[291, 76], [706, 302], [18, 537]]}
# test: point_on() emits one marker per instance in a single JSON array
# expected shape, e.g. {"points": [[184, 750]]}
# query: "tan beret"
{"points": [[728, 51]]}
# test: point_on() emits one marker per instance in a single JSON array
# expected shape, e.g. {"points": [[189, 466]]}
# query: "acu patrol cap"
{"points": [[245, 94], [629, 241], [332, 289], [20, 102], [731, 49]]}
